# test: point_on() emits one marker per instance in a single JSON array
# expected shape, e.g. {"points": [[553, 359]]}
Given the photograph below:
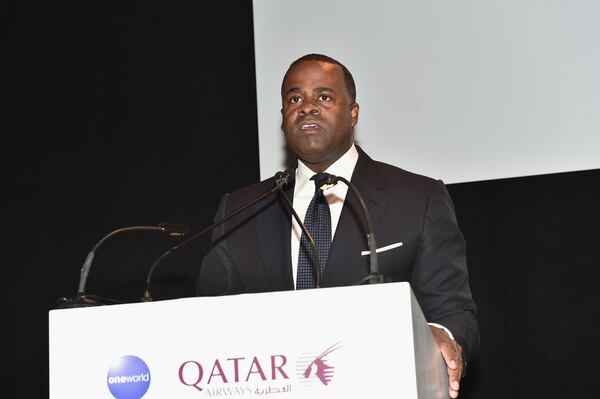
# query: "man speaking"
{"points": [[263, 248]]}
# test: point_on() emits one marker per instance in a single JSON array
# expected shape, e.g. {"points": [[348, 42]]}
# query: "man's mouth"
{"points": [[309, 126]]}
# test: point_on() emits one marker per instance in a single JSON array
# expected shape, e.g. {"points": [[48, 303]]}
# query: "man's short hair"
{"points": [[348, 79]]}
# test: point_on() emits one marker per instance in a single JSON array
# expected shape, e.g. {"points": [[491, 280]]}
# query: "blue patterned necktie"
{"points": [[318, 224]]}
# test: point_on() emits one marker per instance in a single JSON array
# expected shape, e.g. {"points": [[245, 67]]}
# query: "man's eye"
{"points": [[324, 97], [295, 100]]}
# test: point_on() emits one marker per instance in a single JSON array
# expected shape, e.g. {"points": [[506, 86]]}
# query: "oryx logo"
{"points": [[128, 378], [313, 368]]}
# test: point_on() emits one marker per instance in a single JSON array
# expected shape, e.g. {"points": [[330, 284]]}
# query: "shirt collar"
{"points": [[343, 167]]}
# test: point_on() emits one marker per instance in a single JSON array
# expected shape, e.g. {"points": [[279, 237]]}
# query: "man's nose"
{"points": [[309, 108]]}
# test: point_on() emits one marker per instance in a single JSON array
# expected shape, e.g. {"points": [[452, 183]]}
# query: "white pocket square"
{"points": [[383, 249]]}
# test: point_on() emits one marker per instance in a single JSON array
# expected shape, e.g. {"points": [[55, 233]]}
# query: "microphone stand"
{"points": [[80, 298], [317, 263], [147, 297], [374, 277]]}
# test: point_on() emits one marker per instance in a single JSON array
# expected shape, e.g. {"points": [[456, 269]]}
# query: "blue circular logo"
{"points": [[128, 378]]}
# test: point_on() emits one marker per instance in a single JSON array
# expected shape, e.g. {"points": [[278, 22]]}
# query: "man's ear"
{"points": [[281, 118], [354, 108]]}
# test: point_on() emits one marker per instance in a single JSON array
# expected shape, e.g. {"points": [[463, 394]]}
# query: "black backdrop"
{"points": [[124, 114], [534, 269], [117, 114]]}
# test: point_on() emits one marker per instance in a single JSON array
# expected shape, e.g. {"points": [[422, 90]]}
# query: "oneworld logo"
{"points": [[128, 378]]}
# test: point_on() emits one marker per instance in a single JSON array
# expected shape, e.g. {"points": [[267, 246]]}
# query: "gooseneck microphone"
{"points": [[281, 179], [374, 277], [174, 230], [280, 182]]}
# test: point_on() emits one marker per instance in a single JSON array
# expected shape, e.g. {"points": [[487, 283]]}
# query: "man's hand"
{"points": [[452, 353]]}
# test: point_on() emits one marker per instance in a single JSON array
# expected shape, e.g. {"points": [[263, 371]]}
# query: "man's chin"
{"points": [[316, 162], [311, 156]]}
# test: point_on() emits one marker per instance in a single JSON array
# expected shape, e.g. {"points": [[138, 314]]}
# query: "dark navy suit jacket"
{"points": [[251, 252]]}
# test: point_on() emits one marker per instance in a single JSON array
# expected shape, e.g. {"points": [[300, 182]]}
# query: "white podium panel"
{"points": [[349, 342]]}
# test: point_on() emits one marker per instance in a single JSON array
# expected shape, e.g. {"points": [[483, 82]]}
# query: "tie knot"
{"points": [[320, 179]]}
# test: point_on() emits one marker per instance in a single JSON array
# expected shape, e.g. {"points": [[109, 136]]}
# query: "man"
{"points": [[262, 250]]}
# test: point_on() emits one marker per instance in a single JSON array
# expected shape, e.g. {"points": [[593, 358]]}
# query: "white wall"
{"points": [[462, 90]]}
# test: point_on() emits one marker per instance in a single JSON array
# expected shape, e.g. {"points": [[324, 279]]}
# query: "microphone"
{"points": [[280, 182], [281, 179], [173, 230], [374, 277]]}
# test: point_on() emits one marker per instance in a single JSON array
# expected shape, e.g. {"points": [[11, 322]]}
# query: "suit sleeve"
{"points": [[218, 275], [440, 276]]}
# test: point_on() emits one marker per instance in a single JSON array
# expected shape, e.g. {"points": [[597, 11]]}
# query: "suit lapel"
{"points": [[345, 265], [371, 185]]}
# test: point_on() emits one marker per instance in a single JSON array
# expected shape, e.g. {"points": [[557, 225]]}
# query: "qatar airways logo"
{"points": [[315, 368], [233, 370], [257, 375], [128, 378]]}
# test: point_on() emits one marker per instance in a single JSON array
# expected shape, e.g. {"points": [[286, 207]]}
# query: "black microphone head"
{"points": [[282, 178], [174, 230], [327, 181]]}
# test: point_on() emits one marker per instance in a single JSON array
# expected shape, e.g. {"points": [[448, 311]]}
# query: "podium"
{"points": [[368, 341]]}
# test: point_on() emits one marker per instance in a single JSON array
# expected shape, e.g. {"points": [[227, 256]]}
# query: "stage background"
{"points": [[123, 114]]}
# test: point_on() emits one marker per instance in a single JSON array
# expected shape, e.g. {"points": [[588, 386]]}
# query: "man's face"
{"points": [[318, 115]]}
